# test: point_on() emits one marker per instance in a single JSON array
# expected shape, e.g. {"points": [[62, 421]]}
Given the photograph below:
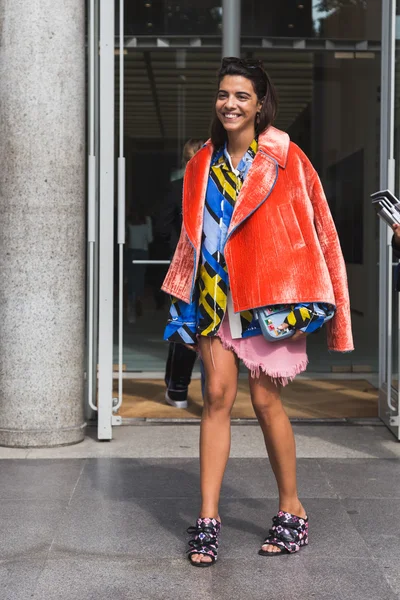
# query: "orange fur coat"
{"points": [[282, 244]]}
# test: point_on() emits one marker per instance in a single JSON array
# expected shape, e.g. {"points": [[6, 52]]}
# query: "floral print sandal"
{"points": [[288, 533], [205, 541]]}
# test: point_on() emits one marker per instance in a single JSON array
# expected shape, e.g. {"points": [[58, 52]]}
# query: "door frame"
{"points": [[388, 395]]}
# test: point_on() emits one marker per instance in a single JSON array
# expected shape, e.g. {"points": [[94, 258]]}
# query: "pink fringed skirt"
{"points": [[281, 361]]}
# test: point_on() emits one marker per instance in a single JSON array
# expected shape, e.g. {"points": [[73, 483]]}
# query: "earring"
{"points": [[257, 118]]}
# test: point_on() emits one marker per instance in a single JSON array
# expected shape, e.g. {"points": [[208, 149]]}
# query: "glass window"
{"points": [[351, 19], [335, 19], [329, 104], [173, 17], [277, 19]]}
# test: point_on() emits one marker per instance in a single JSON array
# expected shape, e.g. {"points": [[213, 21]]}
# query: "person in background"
{"points": [[396, 240], [181, 359], [140, 235]]}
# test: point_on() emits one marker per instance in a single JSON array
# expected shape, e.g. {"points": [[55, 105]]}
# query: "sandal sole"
{"points": [[264, 553], [201, 564]]}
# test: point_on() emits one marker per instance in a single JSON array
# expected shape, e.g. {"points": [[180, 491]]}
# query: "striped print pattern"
{"points": [[223, 188]]}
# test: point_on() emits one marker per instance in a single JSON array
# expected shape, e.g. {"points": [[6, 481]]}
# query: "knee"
{"points": [[267, 409], [216, 400]]}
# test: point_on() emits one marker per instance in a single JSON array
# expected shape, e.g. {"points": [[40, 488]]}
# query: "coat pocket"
{"points": [[292, 226]]}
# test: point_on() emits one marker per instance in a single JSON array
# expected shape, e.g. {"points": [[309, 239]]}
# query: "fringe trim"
{"points": [[278, 378]]}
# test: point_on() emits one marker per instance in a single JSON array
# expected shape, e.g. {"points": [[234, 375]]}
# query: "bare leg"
{"points": [[279, 441], [221, 373]]}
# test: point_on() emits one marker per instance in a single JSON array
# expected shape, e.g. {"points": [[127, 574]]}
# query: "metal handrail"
{"points": [[151, 262], [91, 225]]}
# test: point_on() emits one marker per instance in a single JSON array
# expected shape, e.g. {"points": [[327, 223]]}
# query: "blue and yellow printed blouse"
{"points": [[204, 315]]}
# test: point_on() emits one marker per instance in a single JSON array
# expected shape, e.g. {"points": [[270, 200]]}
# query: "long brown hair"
{"points": [[263, 87]]}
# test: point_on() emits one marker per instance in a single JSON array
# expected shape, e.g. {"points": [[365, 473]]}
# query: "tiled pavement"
{"points": [[107, 520]]}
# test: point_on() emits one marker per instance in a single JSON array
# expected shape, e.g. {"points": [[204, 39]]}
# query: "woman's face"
{"points": [[237, 104]]}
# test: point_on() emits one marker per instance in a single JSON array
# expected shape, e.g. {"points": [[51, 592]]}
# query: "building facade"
{"points": [[150, 72]]}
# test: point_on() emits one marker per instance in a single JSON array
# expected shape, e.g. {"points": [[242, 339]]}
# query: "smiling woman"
{"points": [[257, 232], [237, 108], [246, 101]]}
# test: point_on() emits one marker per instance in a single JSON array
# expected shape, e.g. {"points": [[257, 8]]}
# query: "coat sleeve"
{"points": [[179, 279], [340, 337]]}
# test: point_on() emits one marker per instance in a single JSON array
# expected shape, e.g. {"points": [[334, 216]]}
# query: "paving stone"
{"points": [[102, 579], [116, 528], [391, 570], [47, 479], [18, 578], [377, 522], [143, 528], [363, 478], [300, 576], [28, 527], [254, 478], [121, 479], [181, 441], [246, 523]]}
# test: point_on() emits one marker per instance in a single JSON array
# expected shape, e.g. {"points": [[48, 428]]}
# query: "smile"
{"points": [[230, 115]]}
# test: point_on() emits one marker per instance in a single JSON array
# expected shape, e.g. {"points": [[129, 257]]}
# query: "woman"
{"points": [[256, 232]]}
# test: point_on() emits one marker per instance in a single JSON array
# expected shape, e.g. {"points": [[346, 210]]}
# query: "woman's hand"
{"points": [[396, 229], [193, 347], [297, 335]]}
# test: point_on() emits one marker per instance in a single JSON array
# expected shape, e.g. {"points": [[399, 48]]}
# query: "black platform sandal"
{"points": [[288, 533], [206, 533]]}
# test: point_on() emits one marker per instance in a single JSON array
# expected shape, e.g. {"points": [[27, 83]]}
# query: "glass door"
{"points": [[326, 98], [168, 93], [389, 179], [155, 92], [105, 211]]}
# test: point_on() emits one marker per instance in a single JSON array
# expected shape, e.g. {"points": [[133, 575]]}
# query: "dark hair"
{"points": [[263, 87], [189, 149]]}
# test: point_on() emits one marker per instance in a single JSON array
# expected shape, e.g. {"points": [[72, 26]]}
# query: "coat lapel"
{"points": [[258, 185], [194, 193], [273, 147]]}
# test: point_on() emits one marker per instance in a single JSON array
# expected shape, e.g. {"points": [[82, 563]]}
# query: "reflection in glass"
{"points": [[334, 19], [173, 17], [352, 19], [330, 107]]}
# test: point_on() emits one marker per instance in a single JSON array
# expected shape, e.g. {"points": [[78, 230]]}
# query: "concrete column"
{"points": [[231, 27], [42, 222]]}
